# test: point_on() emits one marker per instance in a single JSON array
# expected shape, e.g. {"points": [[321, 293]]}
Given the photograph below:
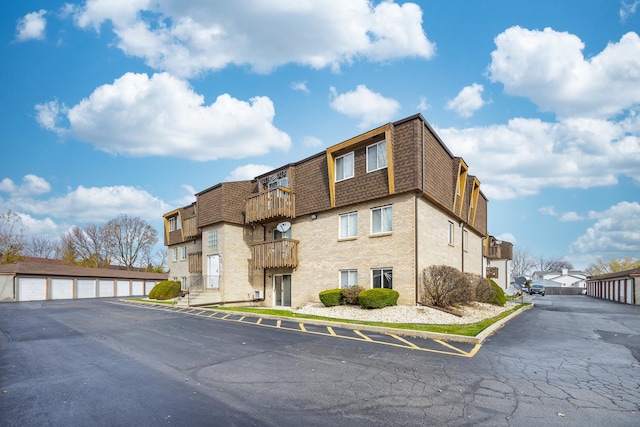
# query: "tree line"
{"points": [[523, 263], [124, 241]]}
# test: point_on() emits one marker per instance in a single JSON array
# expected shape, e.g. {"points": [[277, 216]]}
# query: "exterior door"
{"points": [[213, 280], [282, 290]]}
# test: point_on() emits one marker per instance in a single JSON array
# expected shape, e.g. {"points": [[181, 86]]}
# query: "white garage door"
{"points": [[61, 288], [106, 288], [86, 288], [137, 288], [148, 285], [32, 289], [123, 288]]}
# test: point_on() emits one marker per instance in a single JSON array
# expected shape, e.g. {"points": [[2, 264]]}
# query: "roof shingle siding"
{"points": [[439, 179], [311, 185], [224, 202], [45, 268]]}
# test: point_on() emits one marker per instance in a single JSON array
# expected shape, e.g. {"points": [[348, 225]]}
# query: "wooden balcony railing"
{"points": [[189, 228], [195, 262], [501, 251], [275, 253], [270, 205]]}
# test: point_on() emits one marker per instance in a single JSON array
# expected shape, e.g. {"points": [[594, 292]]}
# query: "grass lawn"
{"points": [[470, 329]]}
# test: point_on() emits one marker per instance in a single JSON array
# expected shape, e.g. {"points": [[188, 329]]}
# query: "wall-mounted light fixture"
{"points": [[314, 216]]}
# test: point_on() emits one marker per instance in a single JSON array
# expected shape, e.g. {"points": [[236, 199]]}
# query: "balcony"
{"points": [[189, 228], [501, 251], [275, 253], [276, 203]]}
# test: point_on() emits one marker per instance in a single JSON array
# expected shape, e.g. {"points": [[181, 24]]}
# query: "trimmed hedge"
{"points": [[331, 297], [378, 298], [164, 290], [499, 298]]}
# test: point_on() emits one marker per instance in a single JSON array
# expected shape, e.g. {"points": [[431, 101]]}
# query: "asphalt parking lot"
{"points": [[568, 361]]}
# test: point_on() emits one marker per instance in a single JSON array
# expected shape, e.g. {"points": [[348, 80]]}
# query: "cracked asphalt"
{"points": [[570, 361]]}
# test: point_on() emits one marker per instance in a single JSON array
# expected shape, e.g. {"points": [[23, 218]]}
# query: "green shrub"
{"points": [[499, 298], [164, 290], [350, 295], [482, 289], [378, 298], [331, 297]]}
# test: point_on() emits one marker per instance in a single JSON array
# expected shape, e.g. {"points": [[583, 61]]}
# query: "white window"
{"points": [[183, 253], [450, 233], [172, 223], [348, 278], [348, 225], [377, 156], [382, 278], [381, 220], [277, 234], [212, 240], [465, 240], [344, 167], [175, 254]]}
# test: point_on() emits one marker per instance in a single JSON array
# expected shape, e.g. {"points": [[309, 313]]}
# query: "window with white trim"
{"points": [[173, 223], [183, 253], [348, 278], [212, 240], [382, 278], [450, 233], [344, 167], [348, 225], [175, 254], [465, 240], [377, 156], [381, 220]]}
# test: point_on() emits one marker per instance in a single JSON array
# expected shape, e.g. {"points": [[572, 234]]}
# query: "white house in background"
{"points": [[564, 278]]}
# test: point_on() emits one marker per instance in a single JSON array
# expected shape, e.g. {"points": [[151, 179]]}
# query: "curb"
{"points": [[478, 339]]}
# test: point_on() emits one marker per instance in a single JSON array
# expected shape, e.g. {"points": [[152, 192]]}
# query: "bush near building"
{"points": [[378, 298], [445, 286], [331, 297], [165, 290]]}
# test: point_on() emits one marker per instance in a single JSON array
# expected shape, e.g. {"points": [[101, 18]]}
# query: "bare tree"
{"points": [[158, 262], [131, 240], [614, 265], [41, 247], [88, 246], [552, 264], [521, 263], [11, 238]]}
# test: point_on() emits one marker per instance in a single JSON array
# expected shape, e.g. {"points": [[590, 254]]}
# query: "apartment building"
{"points": [[374, 210]]}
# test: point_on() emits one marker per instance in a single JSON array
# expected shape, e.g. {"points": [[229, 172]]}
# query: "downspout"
{"points": [[422, 163], [415, 247], [462, 243], [264, 270]]}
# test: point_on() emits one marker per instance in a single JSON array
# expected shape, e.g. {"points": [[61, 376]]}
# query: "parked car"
{"points": [[536, 289]]}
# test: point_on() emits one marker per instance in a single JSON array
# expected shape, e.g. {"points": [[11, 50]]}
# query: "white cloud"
{"points": [[423, 104], [300, 86], [187, 37], [526, 155], [40, 227], [31, 185], [549, 68], [246, 172], [312, 142], [548, 210], [507, 237], [571, 216], [163, 116], [371, 108], [188, 198], [628, 8], [32, 26], [468, 101], [616, 231]]}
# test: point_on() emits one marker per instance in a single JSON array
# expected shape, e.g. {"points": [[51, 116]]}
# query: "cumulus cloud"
{"points": [[371, 108], [246, 172], [300, 86], [161, 115], [190, 37], [423, 104], [31, 185], [32, 26], [617, 230], [548, 210], [526, 155], [468, 101], [549, 68], [507, 237]]}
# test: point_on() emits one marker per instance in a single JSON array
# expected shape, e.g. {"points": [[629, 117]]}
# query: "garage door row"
{"points": [[40, 288]]}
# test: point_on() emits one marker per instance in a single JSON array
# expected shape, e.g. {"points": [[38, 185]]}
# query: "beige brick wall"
{"points": [[180, 268], [322, 254]]}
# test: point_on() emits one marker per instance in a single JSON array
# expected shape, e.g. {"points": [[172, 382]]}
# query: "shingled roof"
{"points": [[48, 267]]}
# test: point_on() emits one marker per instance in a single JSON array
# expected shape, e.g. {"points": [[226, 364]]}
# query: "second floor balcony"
{"points": [[276, 203], [503, 250], [275, 253]]}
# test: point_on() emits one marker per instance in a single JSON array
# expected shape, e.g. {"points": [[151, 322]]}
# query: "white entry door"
{"points": [[282, 290], [213, 281]]}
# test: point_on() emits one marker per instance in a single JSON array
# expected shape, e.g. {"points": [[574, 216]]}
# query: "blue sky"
{"points": [[130, 107]]}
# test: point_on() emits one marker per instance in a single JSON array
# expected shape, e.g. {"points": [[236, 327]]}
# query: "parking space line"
{"points": [[331, 331], [446, 344], [302, 328], [410, 344], [364, 337]]}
